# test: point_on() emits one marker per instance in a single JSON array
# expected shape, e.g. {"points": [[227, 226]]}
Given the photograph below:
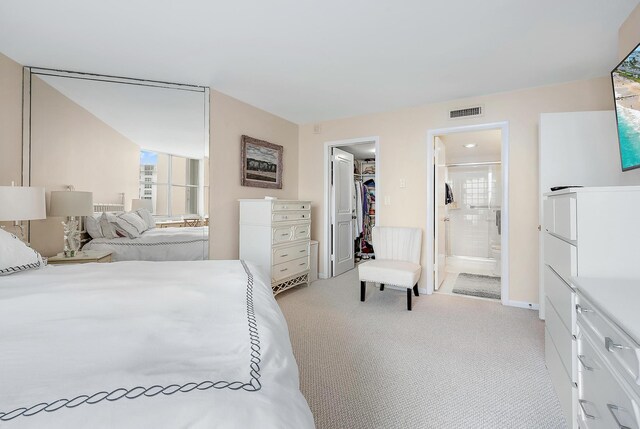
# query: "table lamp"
{"points": [[18, 203], [71, 204]]}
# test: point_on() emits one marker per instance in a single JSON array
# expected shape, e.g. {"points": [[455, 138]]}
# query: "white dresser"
{"points": [[587, 232], [275, 235], [608, 336]]}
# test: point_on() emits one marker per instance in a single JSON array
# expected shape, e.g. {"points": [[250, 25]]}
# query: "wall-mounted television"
{"points": [[626, 90]]}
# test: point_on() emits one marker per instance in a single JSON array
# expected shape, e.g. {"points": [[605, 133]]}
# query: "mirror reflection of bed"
{"points": [[141, 148]]}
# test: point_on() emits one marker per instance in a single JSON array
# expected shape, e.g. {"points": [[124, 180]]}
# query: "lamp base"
{"points": [[69, 253]]}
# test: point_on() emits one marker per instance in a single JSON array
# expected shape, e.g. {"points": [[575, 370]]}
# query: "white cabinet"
{"points": [[274, 234], [587, 232], [607, 353]]}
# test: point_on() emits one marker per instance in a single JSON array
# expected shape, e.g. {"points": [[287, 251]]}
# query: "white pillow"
{"points": [[15, 256], [131, 223], [92, 225], [107, 228], [147, 217]]}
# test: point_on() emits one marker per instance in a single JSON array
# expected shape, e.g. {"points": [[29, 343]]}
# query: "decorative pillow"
{"points": [[147, 217], [92, 225], [130, 223], [15, 256], [107, 228]]}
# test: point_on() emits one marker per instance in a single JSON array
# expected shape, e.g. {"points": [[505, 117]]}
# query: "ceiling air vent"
{"points": [[466, 112]]}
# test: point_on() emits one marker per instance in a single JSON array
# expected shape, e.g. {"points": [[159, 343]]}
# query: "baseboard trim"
{"points": [[322, 276], [523, 304]]}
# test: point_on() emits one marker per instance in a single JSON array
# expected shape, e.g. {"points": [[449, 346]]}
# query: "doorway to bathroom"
{"points": [[468, 208]]}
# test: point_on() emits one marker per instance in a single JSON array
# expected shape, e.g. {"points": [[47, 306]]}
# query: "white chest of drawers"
{"points": [[608, 330], [587, 232], [275, 235]]}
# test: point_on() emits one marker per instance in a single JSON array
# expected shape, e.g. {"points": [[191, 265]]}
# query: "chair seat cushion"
{"points": [[397, 273]]}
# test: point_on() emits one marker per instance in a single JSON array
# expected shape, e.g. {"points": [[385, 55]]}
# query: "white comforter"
{"points": [[210, 331], [158, 244]]}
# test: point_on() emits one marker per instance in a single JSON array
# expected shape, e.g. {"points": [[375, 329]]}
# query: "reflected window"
{"points": [[172, 183]]}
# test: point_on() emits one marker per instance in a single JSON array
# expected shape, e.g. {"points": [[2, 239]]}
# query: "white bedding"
{"points": [[212, 327], [158, 244]]}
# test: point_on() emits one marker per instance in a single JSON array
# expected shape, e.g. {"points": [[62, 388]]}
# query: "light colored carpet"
{"points": [[477, 285], [452, 362]]}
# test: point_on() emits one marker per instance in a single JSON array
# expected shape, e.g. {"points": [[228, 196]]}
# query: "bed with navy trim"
{"points": [[158, 244], [196, 344]]}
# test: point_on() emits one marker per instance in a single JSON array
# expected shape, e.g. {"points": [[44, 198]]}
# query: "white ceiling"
{"points": [[361, 151], [311, 61], [157, 119], [488, 146]]}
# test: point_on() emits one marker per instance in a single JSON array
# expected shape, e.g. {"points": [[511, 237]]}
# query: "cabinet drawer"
{"points": [[290, 216], [289, 253], [565, 216], [301, 231], [562, 339], [561, 256], [620, 350], [282, 234], [561, 382], [296, 205], [561, 296], [603, 402], [286, 269]]}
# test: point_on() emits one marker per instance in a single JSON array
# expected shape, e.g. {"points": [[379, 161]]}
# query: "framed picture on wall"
{"points": [[261, 163]]}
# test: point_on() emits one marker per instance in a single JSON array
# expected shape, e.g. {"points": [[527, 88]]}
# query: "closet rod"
{"points": [[468, 164]]}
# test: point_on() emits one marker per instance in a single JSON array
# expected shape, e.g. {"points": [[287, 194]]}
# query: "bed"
{"points": [[197, 344], [158, 244]]}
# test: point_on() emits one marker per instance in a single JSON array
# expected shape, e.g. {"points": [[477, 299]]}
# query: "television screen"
{"points": [[626, 89]]}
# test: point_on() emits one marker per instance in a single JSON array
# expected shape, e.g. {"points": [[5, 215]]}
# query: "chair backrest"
{"points": [[397, 244]]}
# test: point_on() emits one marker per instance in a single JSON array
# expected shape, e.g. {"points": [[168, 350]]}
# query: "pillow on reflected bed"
{"points": [[16, 256], [131, 224], [92, 225], [147, 217]]}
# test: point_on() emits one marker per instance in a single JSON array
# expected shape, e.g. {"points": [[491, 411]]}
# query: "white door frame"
{"points": [[327, 192], [431, 134]]}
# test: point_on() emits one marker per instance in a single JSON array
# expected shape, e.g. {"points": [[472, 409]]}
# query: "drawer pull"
{"points": [[284, 235], [285, 217], [587, 367], [580, 309], [612, 408], [611, 346], [303, 250], [304, 263], [284, 255], [581, 402], [284, 269]]}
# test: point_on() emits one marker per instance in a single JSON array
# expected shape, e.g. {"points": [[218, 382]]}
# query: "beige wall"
{"points": [[10, 121], [403, 153], [230, 119], [629, 34], [70, 146]]}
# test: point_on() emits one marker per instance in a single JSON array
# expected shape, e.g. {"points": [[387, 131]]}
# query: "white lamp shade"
{"points": [[142, 204], [22, 203], [71, 203]]}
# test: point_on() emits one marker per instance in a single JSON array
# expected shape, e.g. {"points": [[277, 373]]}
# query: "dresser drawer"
{"points": [[286, 269], [282, 234], [560, 216], [561, 256], [620, 350], [603, 401], [289, 253], [291, 216], [562, 339], [562, 384], [296, 205], [301, 232], [561, 296]]}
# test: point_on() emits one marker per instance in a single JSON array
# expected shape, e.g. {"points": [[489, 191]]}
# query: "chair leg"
{"points": [[381, 286], [363, 288], [409, 299], [415, 290]]}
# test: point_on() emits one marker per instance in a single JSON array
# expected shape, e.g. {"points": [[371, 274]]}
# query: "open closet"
{"points": [[364, 204]]}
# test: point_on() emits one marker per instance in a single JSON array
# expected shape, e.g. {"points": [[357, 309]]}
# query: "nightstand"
{"points": [[83, 257]]}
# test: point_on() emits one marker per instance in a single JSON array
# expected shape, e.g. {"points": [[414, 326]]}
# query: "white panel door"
{"points": [[441, 214], [342, 211]]}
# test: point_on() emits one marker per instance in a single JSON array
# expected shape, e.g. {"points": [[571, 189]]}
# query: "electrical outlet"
{"points": [[403, 183], [387, 201]]}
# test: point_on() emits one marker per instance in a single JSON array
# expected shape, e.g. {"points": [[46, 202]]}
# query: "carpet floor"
{"points": [[452, 362]]}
